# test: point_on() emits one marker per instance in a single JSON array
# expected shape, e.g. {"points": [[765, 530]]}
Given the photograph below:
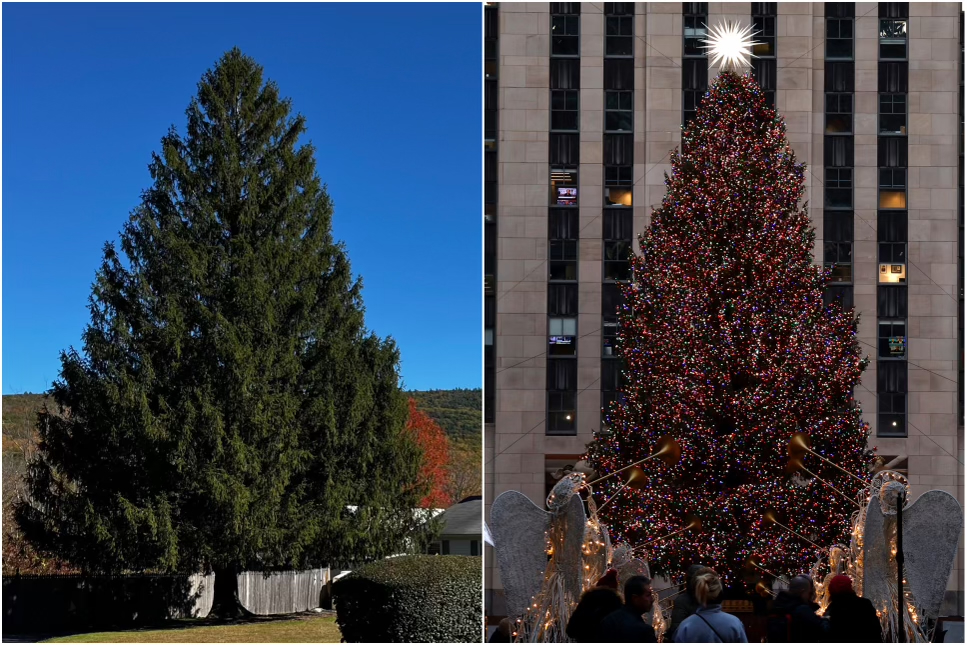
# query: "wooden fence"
{"points": [[282, 592]]}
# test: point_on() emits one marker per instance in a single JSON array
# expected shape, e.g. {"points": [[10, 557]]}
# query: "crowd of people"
{"points": [[602, 616]]}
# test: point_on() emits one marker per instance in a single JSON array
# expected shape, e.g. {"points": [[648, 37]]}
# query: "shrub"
{"points": [[412, 599]]}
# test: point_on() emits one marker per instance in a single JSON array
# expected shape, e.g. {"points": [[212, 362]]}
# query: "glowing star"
{"points": [[731, 45]]}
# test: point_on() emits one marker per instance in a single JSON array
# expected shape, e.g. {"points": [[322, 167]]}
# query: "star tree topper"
{"points": [[731, 45]]}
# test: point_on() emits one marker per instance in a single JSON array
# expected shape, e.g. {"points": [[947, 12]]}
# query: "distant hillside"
{"points": [[459, 412], [20, 419]]}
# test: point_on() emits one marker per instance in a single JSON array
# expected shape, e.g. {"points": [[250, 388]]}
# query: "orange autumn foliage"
{"points": [[436, 456]]}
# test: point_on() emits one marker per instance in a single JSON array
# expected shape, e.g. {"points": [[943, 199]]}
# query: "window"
{"points": [[891, 302], [611, 298], [565, 74], [764, 22], [893, 114], [564, 109], [839, 77], [891, 394], [564, 35], [838, 245], [893, 198], [764, 70], [561, 396], [891, 339], [695, 15], [617, 245], [619, 35], [694, 86], [842, 296], [893, 39], [562, 299], [563, 237], [609, 333], [490, 110], [618, 185], [562, 336], [618, 111], [564, 187], [490, 177], [839, 38], [619, 74], [839, 113], [838, 151], [839, 188], [893, 183], [611, 382], [490, 248]]}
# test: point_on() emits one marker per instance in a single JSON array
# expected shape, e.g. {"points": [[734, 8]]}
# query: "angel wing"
{"points": [[519, 531], [570, 563], [878, 570], [931, 530]]}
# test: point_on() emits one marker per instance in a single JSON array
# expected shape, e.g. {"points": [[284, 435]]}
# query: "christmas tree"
{"points": [[729, 348], [229, 410]]}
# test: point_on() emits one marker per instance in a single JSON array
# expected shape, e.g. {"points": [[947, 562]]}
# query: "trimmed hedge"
{"points": [[412, 599]]}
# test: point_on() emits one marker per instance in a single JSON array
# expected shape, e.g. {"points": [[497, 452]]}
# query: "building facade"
{"points": [[584, 102]]}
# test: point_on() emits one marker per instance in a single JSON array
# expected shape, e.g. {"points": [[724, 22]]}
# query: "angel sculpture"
{"points": [[540, 557], [837, 565], [931, 530]]}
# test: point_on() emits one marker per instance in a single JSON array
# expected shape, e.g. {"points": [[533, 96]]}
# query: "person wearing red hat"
{"points": [[852, 619], [596, 603]]}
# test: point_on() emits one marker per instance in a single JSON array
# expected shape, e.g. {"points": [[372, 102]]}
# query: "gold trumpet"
{"points": [[770, 517], [763, 590], [694, 523], [795, 465], [668, 451], [799, 446], [635, 479]]}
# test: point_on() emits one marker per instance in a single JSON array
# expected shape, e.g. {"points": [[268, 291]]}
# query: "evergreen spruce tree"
{"points": [[729, 348], [229, 409]]}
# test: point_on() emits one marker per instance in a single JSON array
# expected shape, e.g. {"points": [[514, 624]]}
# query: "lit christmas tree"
{"points": [[729, 348]]}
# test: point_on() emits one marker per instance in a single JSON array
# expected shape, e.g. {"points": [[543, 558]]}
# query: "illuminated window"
{"points": [[892, 339], [839, 113], [609, 332], [838, 256], [562, 336], [564, 187], [764, 23], [893, 198], [618, 185], [891, 273]]}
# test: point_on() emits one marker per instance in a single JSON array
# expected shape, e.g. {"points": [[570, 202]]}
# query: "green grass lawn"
{"points": [[298, 630]]}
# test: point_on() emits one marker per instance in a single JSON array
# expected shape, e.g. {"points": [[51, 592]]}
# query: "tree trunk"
{"points": [[225, 602]]}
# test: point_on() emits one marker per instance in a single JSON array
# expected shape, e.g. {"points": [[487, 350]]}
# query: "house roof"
{"points": [[465, 518]]}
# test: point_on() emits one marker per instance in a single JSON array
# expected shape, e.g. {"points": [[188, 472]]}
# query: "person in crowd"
{"points": [[793, 616], [626, 624], [852, 619], [504, 632], [596, 603], [685, 603], [709, 624]]}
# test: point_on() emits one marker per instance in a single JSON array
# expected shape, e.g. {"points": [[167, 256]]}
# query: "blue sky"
{"points": [[392, 99]]}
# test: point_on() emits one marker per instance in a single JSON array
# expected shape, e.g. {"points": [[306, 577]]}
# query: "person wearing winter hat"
{"points": [[595, 604], [852, 619]]}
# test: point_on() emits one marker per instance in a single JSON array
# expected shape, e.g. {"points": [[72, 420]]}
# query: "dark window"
{"points": [[891, 302], [565, 74], [564, 35], [838, 226], [894, 10], [490, 110], [838, 151], [839, 188], [619, 8], [694, 86], [893, 177], [564, 109], [563, 237], [490, 177], [564, 149], [838, 257], [571, 8], [839, 113], [892, 78], [618, 111], [891, 152], [490, 248], [839, 77], [764, 70], [893, 39], [839, 38], [618, 149], [562, 299], [843, 296], [619, 35], [893, 114], [561, 396], [891, 390], [611, 299], [619, 74], [891, 226], [617, 244], [611, 375]]}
